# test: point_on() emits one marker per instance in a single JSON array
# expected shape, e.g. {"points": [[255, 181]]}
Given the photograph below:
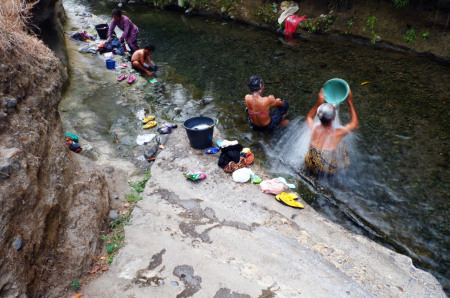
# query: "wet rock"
{"points": [[150, 152], [115, 196], [17, 245], [109, 170], [3, 115], [9, 102], [8, 163], [113, 215], [162, 139]]}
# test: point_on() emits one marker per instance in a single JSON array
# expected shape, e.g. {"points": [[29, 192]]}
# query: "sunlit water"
{"points": [[397, 183]]}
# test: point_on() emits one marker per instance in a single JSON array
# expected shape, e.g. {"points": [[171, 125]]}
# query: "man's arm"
{"points": [[312, 113], [111, 29], [354, 118]]}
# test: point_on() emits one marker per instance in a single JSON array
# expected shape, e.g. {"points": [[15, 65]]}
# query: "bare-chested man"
{"points": [[259, 116], [141, 60]]}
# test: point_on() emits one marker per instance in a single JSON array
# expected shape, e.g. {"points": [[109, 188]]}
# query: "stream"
{"points": [[396, 190]]}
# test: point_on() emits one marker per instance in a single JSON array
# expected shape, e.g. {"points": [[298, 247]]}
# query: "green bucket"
{"points": [[335, 91]]}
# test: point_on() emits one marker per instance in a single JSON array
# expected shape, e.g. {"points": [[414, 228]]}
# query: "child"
{"points": [[141, 60]]}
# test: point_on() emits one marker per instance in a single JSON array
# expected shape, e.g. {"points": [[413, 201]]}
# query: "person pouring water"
{"points": [[326, 153], [130, 30]]}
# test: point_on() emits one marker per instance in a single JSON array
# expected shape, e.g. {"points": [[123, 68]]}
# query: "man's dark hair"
{"points": [[254, 83], [117, 12], [149, 47]]}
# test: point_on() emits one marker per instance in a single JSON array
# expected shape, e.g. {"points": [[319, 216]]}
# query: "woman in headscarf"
{"points": [[326, 153], [130, 30]]}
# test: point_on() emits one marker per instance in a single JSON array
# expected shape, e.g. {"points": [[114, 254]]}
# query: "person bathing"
{"points": [[258, 107], [141, 60], [326, 153]]}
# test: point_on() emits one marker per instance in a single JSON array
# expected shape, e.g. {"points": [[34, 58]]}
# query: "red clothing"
{"points": [[291, 23]]}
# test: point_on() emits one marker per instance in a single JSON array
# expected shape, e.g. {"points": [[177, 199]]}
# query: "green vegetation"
{"points": [[75, 284], [400, 3], [265, 13], [350, 21], [317, 25], [114, 240], [140, 185], [227, 5], [425, 35], [410, 35], [371, 25]]}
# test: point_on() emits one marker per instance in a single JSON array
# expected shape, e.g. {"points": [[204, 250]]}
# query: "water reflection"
{"points": [[398, 180]]}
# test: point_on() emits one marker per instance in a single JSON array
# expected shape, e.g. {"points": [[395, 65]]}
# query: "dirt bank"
{"points": [[53, 202]]}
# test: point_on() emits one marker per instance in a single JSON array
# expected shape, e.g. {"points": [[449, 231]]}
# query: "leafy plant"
{"points": [[266, 14], [317, 25], [400, 3], [371, 24], [75, 284], [350, 21], [410, 35], [140, 185], [425, 35]]}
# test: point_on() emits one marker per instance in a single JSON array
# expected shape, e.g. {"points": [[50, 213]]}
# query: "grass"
{"points": [[114, 240], [75, 284], [140, 185], [16, 37]]}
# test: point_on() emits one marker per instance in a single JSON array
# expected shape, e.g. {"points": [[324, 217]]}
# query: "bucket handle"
{"points": [[215, 123]]}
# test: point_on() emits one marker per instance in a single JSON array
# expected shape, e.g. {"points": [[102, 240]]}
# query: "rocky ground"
{"points": [[219, 238]]}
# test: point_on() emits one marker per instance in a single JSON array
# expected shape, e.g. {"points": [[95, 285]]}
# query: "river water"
{"points": [[396, 190]]}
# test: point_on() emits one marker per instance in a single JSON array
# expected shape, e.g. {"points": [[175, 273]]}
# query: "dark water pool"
{"points": [[399, 179]]}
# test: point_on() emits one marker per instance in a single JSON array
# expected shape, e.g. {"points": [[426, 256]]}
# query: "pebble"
{"points": [[113, 215], [174, 283], [17, 245], [115, 196]]}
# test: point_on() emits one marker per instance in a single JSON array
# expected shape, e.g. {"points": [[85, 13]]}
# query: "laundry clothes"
{"points": [[291, 23], [82, 36], [113, 45], [273, 186], [230, 153], [75, 147], [91, 48], [194, 175]]}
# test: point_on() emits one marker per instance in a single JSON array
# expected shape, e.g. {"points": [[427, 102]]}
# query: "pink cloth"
{"points": [[274, 186], [291, 23]]}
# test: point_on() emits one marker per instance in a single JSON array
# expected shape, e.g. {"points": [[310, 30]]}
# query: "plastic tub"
{"points": [[200, 131], [336, 91], [102, 30], [110, 64]]}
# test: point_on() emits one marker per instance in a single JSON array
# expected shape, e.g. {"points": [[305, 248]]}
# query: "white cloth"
{"points": [[242, 175]]}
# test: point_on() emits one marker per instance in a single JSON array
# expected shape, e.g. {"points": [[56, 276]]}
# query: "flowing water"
{"points": [[396, 189]]}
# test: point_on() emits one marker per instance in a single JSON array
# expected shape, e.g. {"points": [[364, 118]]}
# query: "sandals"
{"points": [[121, 78], [171, 125], [288, 199], [149, 124], [148, 118], [164, 130], [131, 79]]}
